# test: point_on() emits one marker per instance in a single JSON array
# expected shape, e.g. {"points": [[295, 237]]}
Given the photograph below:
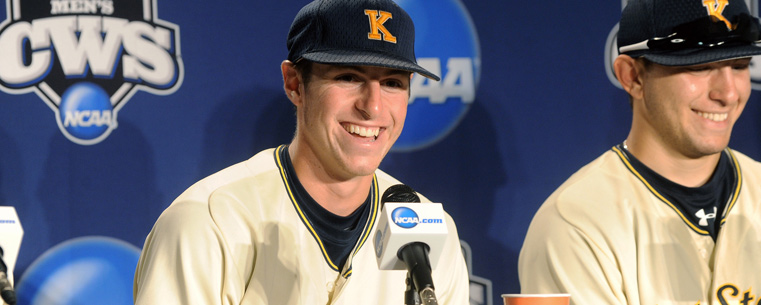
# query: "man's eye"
{"points": [[395, 84], [345, 78], [698, 69]]}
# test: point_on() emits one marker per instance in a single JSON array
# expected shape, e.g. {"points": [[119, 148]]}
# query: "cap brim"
{"points": [[690, 57], [367, 58]]}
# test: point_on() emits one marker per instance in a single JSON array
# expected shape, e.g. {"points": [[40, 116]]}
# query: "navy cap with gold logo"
{"points": [[688, 32], [355, 32]]}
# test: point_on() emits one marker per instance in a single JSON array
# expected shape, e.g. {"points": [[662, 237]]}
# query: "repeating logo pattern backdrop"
{"points": [[86, 59], [446, 44], [525, 100]]}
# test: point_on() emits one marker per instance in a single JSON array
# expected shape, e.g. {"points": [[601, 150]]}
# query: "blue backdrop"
{"points": [[534, 104]]}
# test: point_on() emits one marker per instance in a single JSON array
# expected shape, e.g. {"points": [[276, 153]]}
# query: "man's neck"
{"points": [[680, 169], [337, 195]]}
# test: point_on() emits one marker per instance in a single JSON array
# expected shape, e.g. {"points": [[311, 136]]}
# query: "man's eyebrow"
{"points": [[364, 69]]}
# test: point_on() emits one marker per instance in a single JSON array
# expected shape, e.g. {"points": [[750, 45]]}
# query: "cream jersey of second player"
{"points": [[607, 236], [240, 237]]}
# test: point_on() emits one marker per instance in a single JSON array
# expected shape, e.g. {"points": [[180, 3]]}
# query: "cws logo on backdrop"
{"points": [[446, 43], [86, 58], [713, 7]]}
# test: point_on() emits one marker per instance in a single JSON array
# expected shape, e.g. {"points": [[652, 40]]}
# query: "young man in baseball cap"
{"points": [[668, 216], [295, 224]]}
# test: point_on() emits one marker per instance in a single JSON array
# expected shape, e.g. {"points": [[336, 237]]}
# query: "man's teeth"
{"points": [[716, 117], [363, 131]]}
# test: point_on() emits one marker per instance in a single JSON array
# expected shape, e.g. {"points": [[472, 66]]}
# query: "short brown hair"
{"points": [[304, 67]]}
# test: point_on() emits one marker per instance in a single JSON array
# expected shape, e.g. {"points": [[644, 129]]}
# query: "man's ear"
{"points": [[629, 73], [291, 81]]}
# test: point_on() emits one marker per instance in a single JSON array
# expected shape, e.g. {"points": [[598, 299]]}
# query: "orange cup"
{"points": [[537, 299]]}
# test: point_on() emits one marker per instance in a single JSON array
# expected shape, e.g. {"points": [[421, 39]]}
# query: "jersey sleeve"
{"points": [[184, 260], [559, 257], [455, 289]]}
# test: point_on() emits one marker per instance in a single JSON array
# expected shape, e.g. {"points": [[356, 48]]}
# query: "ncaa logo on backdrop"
{"points": [[446, 43], [611, 47], [86, 58]]}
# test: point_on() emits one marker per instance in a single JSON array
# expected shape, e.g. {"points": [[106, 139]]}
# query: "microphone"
{"points": [[6, 289], [411, 235], [10, 241], [399, 193]]}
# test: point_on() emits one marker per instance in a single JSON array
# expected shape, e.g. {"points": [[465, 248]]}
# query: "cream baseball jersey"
{"points": [[607, 237], [239, 237]]}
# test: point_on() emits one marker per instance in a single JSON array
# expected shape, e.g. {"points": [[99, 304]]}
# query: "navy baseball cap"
{"points": [[355, 32], [688, 32]]}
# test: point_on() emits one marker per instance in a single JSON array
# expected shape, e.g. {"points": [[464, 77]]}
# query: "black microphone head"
{"points": [[399, 193], [9, 297], [3, 267]]}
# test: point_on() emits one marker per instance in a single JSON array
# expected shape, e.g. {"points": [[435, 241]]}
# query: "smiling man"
{"points": [[670, 215], [293, 224]]}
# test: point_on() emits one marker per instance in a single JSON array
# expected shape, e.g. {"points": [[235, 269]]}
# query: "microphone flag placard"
{"points": [[10, 237], [402, 223]]}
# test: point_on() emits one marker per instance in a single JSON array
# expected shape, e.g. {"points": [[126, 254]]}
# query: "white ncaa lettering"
{"points": [[87, 118], [417, 220], [458, 82], [406, 220], [147, 48]]}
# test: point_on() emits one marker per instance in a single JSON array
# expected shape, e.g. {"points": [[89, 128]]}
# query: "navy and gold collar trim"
{"points": [[732, 199], [374, 210]]}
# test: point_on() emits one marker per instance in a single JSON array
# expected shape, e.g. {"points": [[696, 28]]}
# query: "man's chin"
{"points": [[364, 168], [708, 149]]}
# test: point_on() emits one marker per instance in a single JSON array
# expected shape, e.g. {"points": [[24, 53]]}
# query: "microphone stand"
{"points": [[6, 289], [411, 296], [415, 255]]}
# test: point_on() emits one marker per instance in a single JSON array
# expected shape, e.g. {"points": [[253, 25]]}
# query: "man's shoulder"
{"points": [[259, 164], [606, 171], [745, 160], [594, 200], [750, 169], [593, 189], [384, 179], [194, 205]]}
